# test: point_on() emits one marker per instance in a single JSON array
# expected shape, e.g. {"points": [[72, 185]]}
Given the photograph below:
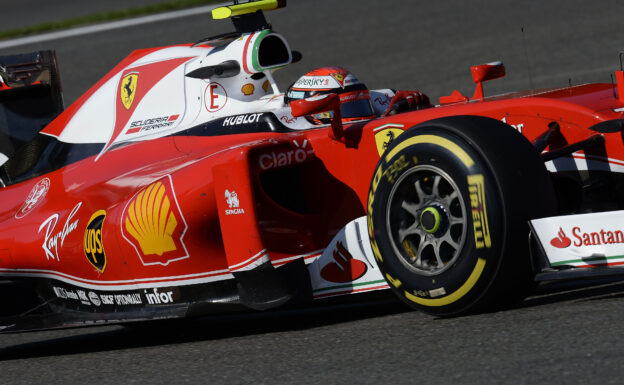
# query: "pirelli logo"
{"points": [[476, 189]]}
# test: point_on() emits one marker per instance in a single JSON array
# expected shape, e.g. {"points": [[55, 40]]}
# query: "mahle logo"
{"points": [[93, 245], [128, 88]]}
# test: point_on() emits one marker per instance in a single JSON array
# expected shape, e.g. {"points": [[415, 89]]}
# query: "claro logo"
{"points": [[286, 156]]}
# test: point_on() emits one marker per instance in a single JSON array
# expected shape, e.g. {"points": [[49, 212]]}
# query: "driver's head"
{"points": [[354, 96]]}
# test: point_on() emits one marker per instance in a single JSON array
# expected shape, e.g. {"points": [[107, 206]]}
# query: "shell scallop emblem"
{"points": [[153, 223], [248, 89]]}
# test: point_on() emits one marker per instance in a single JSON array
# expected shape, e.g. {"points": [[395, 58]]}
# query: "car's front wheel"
{"points": [[448, 210]]}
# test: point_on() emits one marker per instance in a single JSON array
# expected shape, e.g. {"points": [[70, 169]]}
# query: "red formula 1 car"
{"points": [[184, 183]]}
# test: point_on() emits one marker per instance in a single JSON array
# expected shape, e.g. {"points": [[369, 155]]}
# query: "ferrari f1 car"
{"points": [[183, 184]]}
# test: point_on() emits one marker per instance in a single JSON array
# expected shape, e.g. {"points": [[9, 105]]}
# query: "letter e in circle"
{"points": [[215, 97]]}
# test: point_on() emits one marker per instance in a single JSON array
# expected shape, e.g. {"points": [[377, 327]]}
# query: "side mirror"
{"points": [[484, 72], [318, 104], [225, 69]]}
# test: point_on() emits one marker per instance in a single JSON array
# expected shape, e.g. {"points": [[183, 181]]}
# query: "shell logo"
{"points": [[153, 223], [248, 89]]}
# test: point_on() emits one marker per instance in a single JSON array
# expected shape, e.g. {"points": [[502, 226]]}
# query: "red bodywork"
{"points": [[182, 210]]}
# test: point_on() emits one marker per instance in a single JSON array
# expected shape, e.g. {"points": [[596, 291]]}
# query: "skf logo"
{"points": [[153, 223], [344, 268], [93, 246], [127, 89], [476, 189], [385, 136], [562, 241]]}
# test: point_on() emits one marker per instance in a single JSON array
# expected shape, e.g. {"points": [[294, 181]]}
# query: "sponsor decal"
{"points": [[215, 97], [36, 195], [132, 92], [288, 119], [231, 198], [94, 298], [561, 241], [339, 78], [156, 297], [265, 86], [241, 119], [281, 158], [518, 127], [582, 240], [314, 81], [596, 238], [92, 243], [384, 138], [127, 88], [51, 239], [476, 189], [152, 124], [392, 172], [344, 268], [382, 102], [153, 224], [248, 89]]}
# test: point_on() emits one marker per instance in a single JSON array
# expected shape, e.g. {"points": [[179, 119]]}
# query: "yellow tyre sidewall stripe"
{"points": [[459, 293], [433, 139]]}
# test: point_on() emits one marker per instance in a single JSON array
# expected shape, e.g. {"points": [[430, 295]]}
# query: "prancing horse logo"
{"points": [[128, 88]]}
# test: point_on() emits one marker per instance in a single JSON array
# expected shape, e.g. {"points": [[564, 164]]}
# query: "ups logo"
{"points": [[93, 246]]}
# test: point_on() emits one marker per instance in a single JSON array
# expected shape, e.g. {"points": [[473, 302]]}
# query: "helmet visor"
{"points": [[356, 104]]}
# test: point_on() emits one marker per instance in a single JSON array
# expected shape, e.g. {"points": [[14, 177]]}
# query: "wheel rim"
{"points": [[426, 220]]}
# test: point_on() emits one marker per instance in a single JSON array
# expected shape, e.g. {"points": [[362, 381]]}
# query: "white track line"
{"points": [[108, 26]]}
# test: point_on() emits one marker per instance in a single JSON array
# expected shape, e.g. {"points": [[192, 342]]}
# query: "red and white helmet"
{"points": [[355, 101]]}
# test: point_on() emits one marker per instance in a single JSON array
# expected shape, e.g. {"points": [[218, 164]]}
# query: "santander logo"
{"points": [[561, 241], [344, 268]]}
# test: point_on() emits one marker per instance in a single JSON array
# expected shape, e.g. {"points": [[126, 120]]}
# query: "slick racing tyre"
{"points": [[447, 214]]}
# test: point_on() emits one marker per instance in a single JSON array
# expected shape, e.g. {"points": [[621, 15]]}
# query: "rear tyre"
{"points": [[447, 214]]}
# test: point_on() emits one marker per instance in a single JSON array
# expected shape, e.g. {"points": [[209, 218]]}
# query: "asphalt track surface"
{"points": [[565, 334]]}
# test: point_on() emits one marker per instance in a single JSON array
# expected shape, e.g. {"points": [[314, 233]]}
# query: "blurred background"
{"points": [[428, 46]]}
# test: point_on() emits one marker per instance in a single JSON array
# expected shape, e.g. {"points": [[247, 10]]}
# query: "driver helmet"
{"points": [[355, 101]]}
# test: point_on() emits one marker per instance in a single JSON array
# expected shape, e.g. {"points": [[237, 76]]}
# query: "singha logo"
{"points": [[231, 198], [561, 241]]}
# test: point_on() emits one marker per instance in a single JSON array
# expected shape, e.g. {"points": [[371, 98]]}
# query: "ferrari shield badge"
{"points": [[128, 88], [384, 137], [339, 78]]}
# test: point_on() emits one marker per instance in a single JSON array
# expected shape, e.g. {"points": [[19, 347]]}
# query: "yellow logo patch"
{"points": [[128, 88], [248, 89], [151, 221], [93, 245], [383, 138], [476, 189]]}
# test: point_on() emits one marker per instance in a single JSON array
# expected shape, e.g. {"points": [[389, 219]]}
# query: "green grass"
{"points": [[106, 16]]}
